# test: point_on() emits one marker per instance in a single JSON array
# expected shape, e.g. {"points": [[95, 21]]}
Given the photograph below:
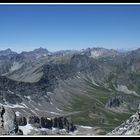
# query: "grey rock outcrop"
{"points": [[115, 101], [33, 120], [8, 121], [47, 123], [130, 127], [22, 121], [2, 111]]}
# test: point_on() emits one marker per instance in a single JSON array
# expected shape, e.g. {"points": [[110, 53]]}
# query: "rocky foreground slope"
{"points": [[10, 124], [130, 127]]}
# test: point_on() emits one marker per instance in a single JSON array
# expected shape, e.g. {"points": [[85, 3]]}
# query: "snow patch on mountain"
{"points": [[59, 109], [54, 113], [40, 55], [17, 113], [95, 54], [16, 66], [94, 83], [125, 89], [87, 127], [11, 92], [26, 129], [28, 97], [12, 105]]}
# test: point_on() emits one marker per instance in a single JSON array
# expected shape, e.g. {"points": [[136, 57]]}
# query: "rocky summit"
{"points": [[69, 92], [130, 127]]}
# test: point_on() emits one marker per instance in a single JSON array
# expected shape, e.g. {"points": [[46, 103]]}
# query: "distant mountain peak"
{"points": [[40, 50], [7, 52], [36, 53], [98, 52]]}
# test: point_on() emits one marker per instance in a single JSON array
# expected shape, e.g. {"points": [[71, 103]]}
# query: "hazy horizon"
{"points": [[119, 50], [69, 27]]}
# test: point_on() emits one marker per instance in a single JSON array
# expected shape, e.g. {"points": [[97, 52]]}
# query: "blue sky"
{"points": [[69, 27]]}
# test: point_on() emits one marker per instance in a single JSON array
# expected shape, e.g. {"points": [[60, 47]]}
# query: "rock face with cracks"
{"points": [[8, 122]]}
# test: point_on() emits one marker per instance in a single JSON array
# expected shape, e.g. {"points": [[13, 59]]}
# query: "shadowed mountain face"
{"points": [[95, 87]]}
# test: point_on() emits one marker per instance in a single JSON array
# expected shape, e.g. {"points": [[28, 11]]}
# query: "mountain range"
{"points": [[95, 87]]}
